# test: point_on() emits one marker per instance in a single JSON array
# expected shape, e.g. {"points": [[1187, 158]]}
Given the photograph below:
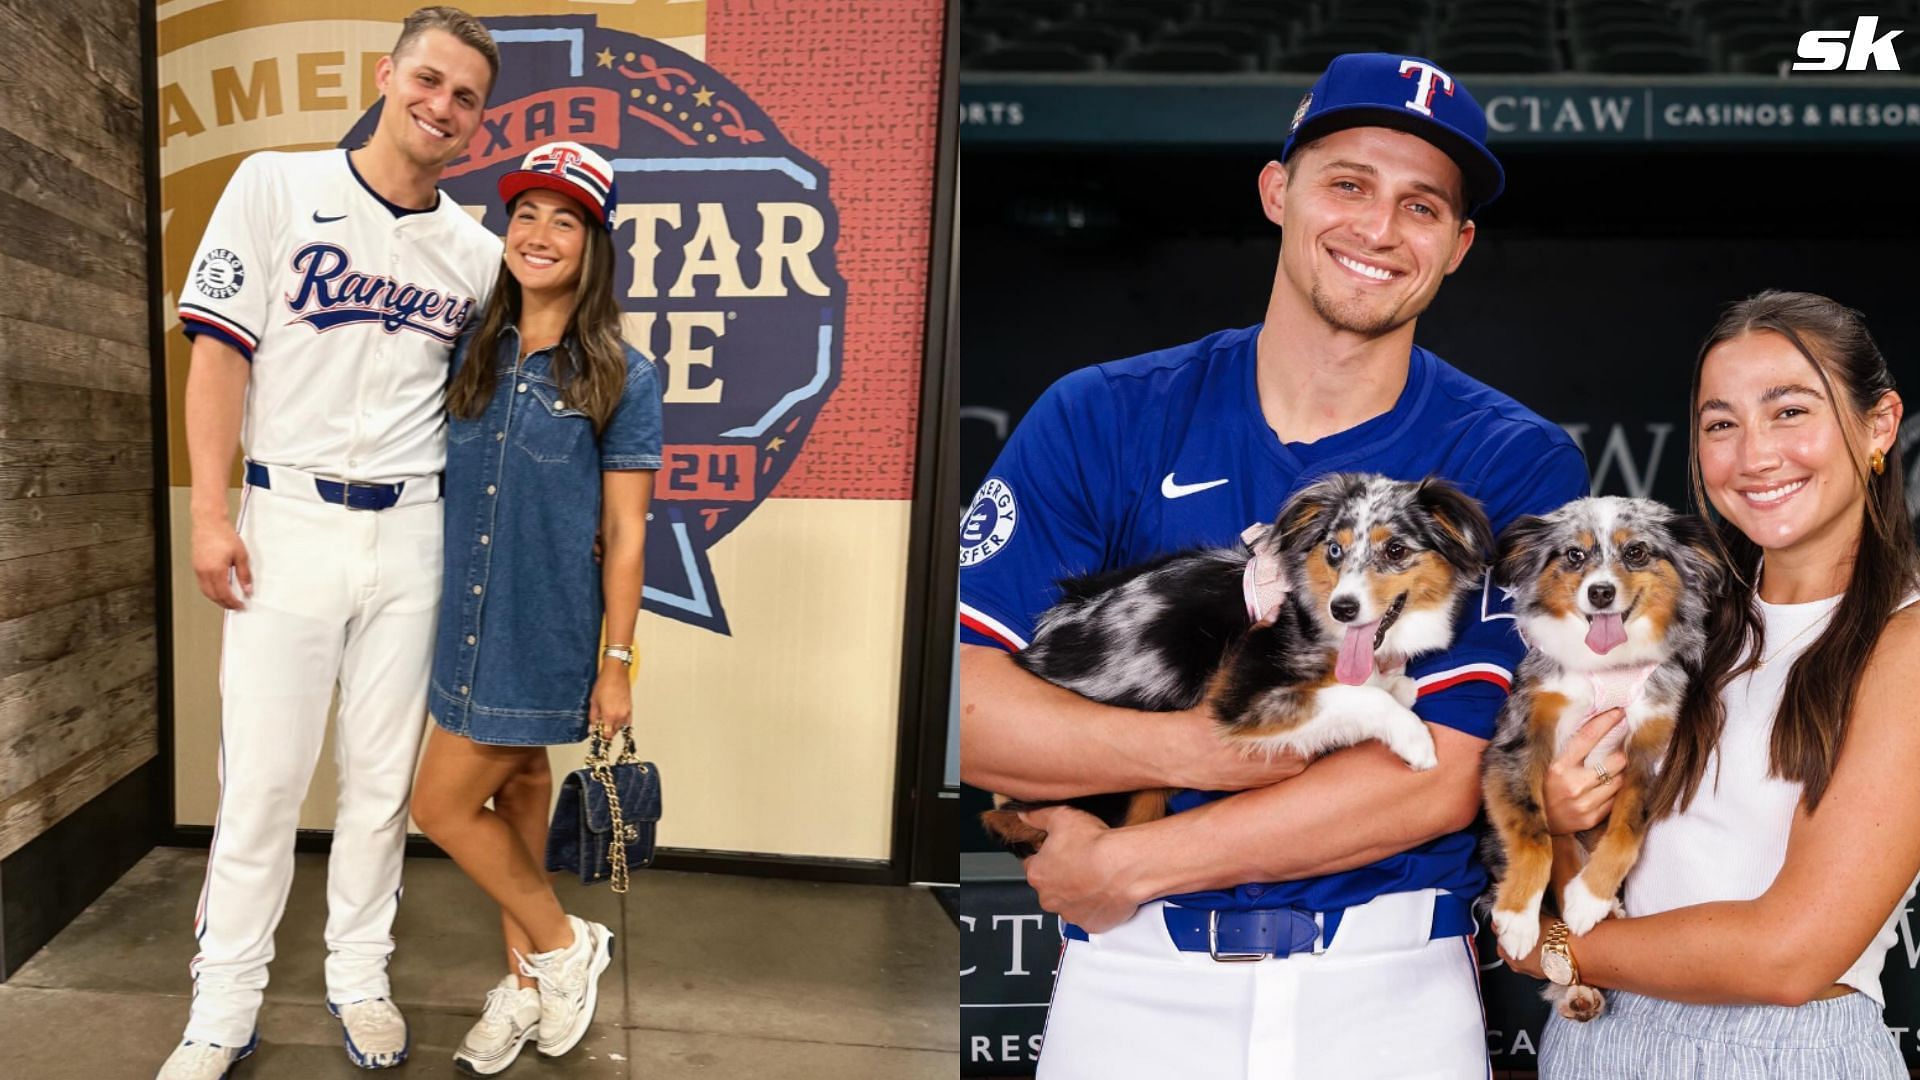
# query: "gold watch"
{"points": [[1556, 957]]}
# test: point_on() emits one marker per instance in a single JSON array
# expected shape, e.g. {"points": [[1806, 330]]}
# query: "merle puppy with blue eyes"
{"points": [[1612, 597], [1298, 638]]}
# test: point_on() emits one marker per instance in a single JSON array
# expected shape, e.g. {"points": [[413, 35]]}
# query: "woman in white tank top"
{"points": [[1787, 813]]}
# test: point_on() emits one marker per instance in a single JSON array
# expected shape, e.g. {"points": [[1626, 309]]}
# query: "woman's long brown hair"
{"points": [[1812, 721], [590, 368]]}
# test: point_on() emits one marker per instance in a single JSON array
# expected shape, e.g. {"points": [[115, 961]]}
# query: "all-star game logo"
{"points": [[727, 273]]}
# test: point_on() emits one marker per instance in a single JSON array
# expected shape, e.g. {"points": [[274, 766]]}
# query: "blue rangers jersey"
{"points": [[1121, 462]]}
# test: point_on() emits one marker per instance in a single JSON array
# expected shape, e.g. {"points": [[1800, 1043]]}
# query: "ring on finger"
{"points": [[1604, 776]]}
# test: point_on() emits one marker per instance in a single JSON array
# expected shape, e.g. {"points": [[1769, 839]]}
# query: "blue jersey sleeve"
{"points": [[1042, 513], [1464, 686]]}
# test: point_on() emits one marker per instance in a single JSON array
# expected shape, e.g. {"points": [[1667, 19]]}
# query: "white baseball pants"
{"points": [[1381, 1003], [342, 597]]}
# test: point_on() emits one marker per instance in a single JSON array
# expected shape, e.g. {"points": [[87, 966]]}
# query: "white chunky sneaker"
{"points": [[203, 1061], [512, 1016], [374, 1031], [569, 981]]}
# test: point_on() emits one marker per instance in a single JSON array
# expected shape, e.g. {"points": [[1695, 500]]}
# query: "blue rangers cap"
{"points": [[1408, 94]]}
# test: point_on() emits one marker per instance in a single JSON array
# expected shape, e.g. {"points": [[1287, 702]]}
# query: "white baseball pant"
{"points": [[346, 597], [1382, 1002]]}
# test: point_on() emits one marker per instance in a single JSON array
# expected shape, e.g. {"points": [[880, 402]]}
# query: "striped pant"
{"points": [[1651, 1039]]}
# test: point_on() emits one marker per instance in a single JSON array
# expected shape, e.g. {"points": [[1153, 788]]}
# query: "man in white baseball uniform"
{"points": [[323, 305]]}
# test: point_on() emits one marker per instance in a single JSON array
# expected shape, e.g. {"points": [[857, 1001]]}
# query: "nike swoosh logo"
{"points": [[1177, 491], [318, 220]]}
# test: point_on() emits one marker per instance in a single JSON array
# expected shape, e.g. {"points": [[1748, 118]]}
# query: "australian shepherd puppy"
{"points": [[1298, 638], [1611, 595]]}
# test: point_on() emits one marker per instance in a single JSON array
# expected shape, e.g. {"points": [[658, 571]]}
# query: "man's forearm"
{"points": [[1352, 808], [1024, 737], [215, 401]]}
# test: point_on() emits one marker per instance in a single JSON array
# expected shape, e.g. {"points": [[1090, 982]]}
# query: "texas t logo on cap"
{"points": [[570, 169], [1431, 79]]}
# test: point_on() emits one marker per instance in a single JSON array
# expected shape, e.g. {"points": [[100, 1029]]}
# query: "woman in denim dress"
{"points": [[553, 436]]}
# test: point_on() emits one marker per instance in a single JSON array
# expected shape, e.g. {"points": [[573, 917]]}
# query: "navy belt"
{"points": [[350, 495], [1280, 932]]}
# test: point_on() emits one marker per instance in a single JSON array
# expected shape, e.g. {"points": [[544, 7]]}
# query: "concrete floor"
{"points": [[718, 976]]}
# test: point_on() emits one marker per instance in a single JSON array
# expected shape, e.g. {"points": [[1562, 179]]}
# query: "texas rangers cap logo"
{"points": [[571, 169], [726, 270]]}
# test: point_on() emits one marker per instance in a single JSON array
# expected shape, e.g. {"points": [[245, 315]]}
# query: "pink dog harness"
{"points": [[1262, 583]]}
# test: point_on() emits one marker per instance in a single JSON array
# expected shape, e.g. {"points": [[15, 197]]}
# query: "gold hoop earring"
{"points": [[1878, 462]]}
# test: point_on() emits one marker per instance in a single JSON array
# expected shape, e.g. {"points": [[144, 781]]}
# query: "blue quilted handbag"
{"points": [[604, 821]]}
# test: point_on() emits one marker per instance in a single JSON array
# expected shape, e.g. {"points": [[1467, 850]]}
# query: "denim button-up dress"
{"points": [[517, 648]]}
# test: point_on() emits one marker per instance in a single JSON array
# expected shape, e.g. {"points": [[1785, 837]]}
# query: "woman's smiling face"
{"points": [[1773, 456], [546, 238]]}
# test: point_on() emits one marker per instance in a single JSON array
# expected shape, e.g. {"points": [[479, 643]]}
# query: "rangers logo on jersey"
{"points": [[338, 295], [219, 274], [726, 271]]}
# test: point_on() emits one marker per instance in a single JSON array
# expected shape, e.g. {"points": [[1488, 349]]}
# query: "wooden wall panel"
{"points": [[78, 649]]}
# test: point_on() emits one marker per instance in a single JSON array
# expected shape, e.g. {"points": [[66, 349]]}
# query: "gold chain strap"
{"points": [[602, 770]]}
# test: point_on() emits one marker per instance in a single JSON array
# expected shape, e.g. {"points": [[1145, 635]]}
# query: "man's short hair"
{"points": [[464, 27]]}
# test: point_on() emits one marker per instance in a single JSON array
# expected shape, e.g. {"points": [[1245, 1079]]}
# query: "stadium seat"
{"points": [[1841, 14], [1492, 28], [1052, 11], [1581, 11], [1711, 15], [1496, 60], [1634, 60], [1143, 25], [1102, 41], [1772, 60], [1455, 39], [1314, 53], [1200, 59], [1000, 22], [1276, 15], [1755, 48], [1233, 37], [1519, 10], [973, 42], [1035, 58]]}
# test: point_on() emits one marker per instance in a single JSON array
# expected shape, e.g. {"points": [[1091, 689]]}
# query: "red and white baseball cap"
{"points": [[570, 169]]}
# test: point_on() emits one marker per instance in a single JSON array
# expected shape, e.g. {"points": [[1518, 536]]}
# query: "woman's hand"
{"points": [[1576, 797], [610, 707]]}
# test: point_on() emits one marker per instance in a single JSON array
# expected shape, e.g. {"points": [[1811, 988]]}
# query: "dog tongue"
{"points": [[1356, 654], [1605, 634]]}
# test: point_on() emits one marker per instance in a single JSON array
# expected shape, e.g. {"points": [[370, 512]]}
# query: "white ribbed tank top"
{"points": [[1731, 840]]}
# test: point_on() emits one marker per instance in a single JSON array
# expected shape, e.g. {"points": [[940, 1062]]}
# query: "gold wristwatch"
{"points": [[1556, 957]]}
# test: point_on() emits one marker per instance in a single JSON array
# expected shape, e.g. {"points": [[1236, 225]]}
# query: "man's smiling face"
{"points": [[1370, 225]]}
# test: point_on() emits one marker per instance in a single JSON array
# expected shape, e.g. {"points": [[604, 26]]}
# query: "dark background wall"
{"points": [[1585, 296], [78, 660]]}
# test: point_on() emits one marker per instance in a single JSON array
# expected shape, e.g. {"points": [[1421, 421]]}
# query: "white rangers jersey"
{"points": [[348, 308]]}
